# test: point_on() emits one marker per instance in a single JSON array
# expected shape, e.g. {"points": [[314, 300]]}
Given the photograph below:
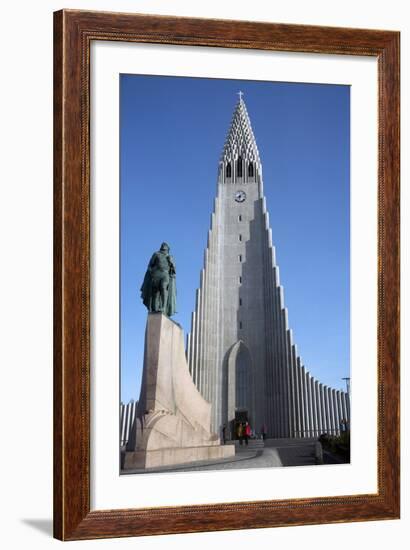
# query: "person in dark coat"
{"points": [[239, 432]]}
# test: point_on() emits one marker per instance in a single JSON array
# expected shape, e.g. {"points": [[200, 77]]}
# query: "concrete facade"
{"points": [[127, 417], [240, 351]]}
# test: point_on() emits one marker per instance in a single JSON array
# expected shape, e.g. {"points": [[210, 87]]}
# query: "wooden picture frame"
{"points": [[74, 32]]}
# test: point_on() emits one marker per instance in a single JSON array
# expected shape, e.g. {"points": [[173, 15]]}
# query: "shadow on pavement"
{"points": [[297, 456]]}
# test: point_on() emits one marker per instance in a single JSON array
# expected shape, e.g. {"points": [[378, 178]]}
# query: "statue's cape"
{"points": [[146, 292], [172, 297]]}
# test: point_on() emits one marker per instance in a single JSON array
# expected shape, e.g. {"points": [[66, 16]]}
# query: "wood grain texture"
{"points": [[73, 33], [57, 302]]}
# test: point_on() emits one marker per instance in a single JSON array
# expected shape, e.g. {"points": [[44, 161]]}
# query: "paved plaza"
{"points": [[259, 454]]}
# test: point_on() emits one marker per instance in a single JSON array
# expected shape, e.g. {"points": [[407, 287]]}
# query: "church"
{"points": [[241, 353]]}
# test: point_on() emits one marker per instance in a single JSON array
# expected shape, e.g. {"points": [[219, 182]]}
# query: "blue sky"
{"points": [[172, 132]]}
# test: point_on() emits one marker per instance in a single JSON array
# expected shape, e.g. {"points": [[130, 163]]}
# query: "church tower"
{"points": [[240, 351]]}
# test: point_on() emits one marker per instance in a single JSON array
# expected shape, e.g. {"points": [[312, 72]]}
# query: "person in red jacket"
{"points": [[247, 431]]}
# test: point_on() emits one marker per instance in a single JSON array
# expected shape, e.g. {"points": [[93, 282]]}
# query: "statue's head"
{"points": [[164, 247]]}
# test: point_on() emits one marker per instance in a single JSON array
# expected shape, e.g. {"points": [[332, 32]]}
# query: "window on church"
{"points": [[240, 218], [240, 279], [240, 301], [250, 170], [239, 167], [240, 237], [240, 257], [228, 170], [240, 324]]}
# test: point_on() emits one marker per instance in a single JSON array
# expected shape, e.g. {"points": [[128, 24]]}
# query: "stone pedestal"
{"points": [[173, 421]]}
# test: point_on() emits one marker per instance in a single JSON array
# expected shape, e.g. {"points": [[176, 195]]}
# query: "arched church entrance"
{"points": [[240, 387]]}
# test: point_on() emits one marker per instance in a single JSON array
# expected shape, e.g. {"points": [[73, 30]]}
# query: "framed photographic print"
{"points": [[262, 398], [197, 387]]}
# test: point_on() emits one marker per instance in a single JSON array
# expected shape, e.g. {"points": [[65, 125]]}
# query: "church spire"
{"points": [[241, 351], [240, 161]]}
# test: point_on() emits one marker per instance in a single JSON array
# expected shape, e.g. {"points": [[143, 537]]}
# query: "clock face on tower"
{"points": [[240, 196]]}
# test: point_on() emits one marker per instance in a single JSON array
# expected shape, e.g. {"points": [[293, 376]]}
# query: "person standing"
{"points": [[239, 433], [247, 431]]}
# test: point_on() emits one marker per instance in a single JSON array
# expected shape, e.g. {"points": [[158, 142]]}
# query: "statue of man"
{"points": [[158, 291]]}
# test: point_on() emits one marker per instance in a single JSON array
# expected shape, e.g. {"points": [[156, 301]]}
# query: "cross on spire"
{"points": [[240, 94]]}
